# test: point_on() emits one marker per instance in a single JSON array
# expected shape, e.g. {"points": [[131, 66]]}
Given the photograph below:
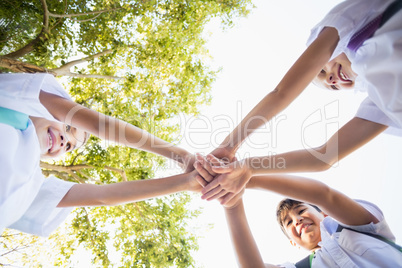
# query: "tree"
{"points": [[140, 61]]}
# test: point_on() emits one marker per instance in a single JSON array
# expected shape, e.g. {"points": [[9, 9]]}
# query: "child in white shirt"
{"points": [[55, 125]]}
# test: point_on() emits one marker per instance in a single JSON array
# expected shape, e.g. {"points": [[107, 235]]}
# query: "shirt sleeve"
{"points": [[369, 111], [347, 18], [20, 92], [43, 216], [381, 228]]}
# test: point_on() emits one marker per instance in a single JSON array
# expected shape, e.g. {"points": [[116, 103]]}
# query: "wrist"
{"points": [[179, 155], [250, 165], [231, 144], [235, 207], [260, 165], [191, 183]]}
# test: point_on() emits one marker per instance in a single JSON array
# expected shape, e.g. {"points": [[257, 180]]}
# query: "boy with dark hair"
{"points": [[284, 207], [346, 233]]}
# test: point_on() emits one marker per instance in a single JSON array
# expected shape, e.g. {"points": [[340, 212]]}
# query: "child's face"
{"points": [[56, 138], [302, 225], [336, 74]]}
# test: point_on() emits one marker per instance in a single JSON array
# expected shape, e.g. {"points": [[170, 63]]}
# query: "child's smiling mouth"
{"points": [[51, 139], [303, 228], [342, 75]]}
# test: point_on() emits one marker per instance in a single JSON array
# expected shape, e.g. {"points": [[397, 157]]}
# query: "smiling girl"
{"points": [[39, 120]]}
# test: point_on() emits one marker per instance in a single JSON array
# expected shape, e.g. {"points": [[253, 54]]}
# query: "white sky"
{"points": [[254, 55]]}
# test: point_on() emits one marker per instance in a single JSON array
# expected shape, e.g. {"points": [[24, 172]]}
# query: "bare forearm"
{"points": [[292, 84], [109, 128], [296, 187], [262, 113], [295, 161], [331, 201], [245, 246], [126, 134], [124, 192], [356, 133]]}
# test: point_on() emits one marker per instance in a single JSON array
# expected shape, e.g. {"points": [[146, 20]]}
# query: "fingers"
{"points": [[213, 164], [201, 181], [216, 161], [203, 172], [222, 169], [212, 185], [206, 165], [215, 193]]}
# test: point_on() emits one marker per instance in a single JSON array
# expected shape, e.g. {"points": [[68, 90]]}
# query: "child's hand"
{"points": [[231, 178], [234, 201], [203, 173], [192, 182], [224, 154], [206, 175], [203, 166]]}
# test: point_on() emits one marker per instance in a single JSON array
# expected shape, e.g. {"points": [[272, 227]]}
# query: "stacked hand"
{"points": [[221, 180]]}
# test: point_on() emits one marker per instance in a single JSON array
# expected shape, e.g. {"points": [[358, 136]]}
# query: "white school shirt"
{"points": [[28, 201], [350, 249], [378, 62]]}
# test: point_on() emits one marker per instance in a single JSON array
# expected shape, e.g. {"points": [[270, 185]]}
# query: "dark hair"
{"points": [[286, 205]]}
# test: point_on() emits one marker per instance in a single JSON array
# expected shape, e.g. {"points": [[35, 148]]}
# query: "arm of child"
{"points": [[132, 191], [330, 201], [233, 177], [243, 241], [292, 84], [112, 129]]}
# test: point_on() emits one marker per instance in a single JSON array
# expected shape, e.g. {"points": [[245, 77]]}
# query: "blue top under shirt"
{"points": [[13, 118]]}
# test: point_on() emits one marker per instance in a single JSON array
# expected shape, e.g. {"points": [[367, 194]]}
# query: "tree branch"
{"points": [[22, 67], [93, 76], [59, 169], [86, 19], [63, 168], [83, 14], [120, 171], [89, 223], [42, 36], [70, 64], [89, 178], [76, 177], [65, 69], [60, 174], [16, 249]]}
